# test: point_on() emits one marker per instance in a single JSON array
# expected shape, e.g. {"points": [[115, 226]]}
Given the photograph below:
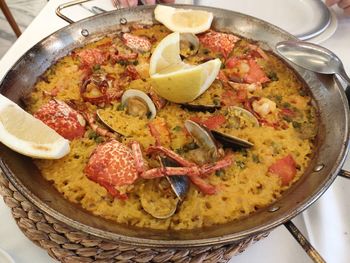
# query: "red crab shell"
{"points": [[62, 118], [218, 42], [112, 165]]}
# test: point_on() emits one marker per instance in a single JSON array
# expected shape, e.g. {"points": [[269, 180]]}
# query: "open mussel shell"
{"points": [[202, 108], [155, 203], [179, 183], [203, 138], [231, 141], [138, 103]]}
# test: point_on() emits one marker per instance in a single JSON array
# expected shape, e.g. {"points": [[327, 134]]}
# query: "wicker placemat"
{"points": [[67, 244]]}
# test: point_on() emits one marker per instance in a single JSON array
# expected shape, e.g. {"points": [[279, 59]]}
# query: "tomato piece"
{"points": [[228, 98], [232, 62], [255, 74], [287, 112], [285, 168], [214, 122], [231, 98]]}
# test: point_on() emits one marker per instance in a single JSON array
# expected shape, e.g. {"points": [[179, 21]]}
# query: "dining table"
{"points": [[326, 223]]}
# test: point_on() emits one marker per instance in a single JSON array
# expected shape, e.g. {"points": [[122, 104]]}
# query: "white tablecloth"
{"points": [[326, 223]]}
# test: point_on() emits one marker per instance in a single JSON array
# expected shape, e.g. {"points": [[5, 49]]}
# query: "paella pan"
{"points": [[298, 190]]}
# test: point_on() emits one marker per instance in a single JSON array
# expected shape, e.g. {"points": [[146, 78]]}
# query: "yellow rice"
{"points": [[244, 187]]}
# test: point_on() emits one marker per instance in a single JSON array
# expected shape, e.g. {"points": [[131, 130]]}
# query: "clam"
{"points": [[240, 118], [163, 207], [138, 104], [204, 139], [188, 42], [155, 203]]}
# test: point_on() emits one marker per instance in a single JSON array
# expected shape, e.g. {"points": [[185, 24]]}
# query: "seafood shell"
{"points": [[203, 139], [179, 183], [197, 107], [242, 115], [231, 141], [156, 204], [191, 40], [133, 93]]}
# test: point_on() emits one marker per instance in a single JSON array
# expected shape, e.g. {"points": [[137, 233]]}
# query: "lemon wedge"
{"points": [[175, 80], [183, 20], [165, 54], [27, 135]]}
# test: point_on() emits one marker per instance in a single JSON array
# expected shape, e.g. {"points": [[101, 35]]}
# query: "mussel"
{"points": [[231, 141], [206, 139], [165, 207], [179, 183], [203, 108], [138, 104]]}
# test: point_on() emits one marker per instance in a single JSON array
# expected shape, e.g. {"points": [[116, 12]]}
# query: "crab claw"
{"points": [[189, 169]]}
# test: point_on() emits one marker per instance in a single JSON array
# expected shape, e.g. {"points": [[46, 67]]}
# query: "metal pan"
{"points": [[330, 154]]}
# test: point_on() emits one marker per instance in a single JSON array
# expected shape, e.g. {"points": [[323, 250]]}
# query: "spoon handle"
{"points": [[342, 74]]}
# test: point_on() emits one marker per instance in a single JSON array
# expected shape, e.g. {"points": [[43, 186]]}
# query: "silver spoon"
{"points": [[315, 58]]}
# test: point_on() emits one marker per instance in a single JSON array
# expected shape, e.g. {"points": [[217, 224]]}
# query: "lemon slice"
{"points": [[27, 135], [165, 54], [182, 83], [175, 80], [183, 20]]}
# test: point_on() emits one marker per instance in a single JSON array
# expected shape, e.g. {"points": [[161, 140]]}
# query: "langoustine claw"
{"points": [[100, 131], [190, 169], [137, 43]]}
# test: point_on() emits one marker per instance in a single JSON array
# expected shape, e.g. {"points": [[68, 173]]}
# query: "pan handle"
{"points": [[304, 243], [344, 173], [66, 5]]}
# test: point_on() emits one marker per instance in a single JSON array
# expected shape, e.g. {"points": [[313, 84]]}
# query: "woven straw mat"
{"points": [[67, 244]]}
